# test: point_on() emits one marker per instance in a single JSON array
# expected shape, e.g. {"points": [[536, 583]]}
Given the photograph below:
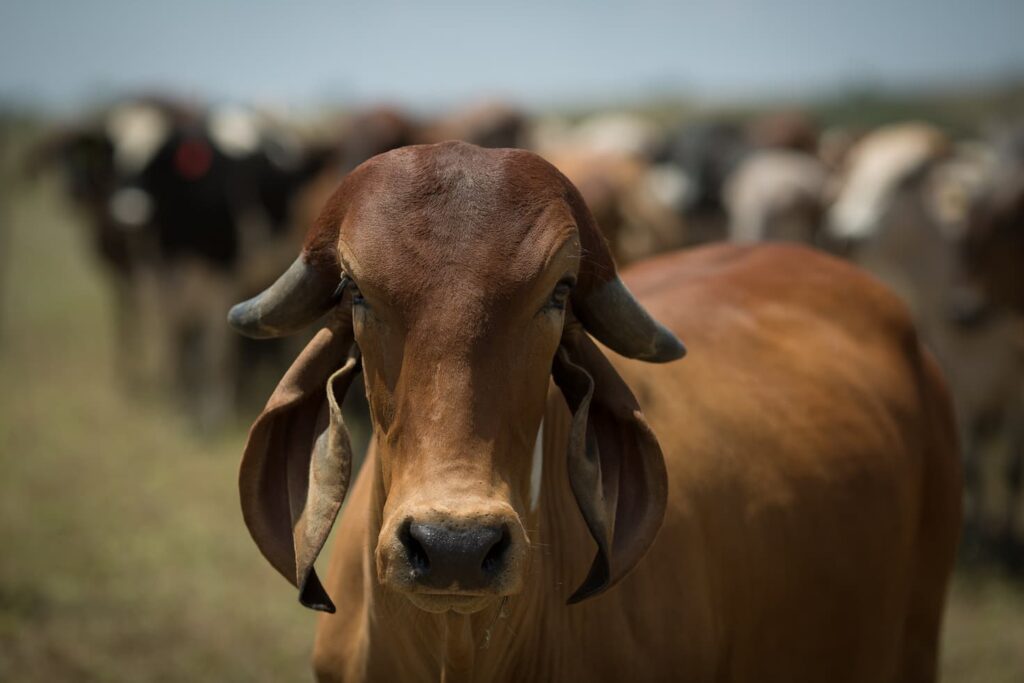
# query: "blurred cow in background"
{"points": [[607, 157], [994, 241], [188, 207], [762, 181], [705, 181], [702, 156], [993, 250], [882, 169], [374, 131], [492, 124], [792, 129], [361, 135], [776, 194], [623, 198], [777, 191], [368, 132], [902, 209]]}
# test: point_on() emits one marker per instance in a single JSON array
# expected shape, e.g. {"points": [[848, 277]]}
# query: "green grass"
{"points": [[983, 641], [124, 556], [122, 552]]}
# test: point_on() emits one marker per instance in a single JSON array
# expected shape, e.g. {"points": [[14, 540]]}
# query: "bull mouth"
{"points": [[438, 602]]}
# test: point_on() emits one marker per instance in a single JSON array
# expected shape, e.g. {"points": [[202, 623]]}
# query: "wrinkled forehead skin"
{"points": [[433, 228]]}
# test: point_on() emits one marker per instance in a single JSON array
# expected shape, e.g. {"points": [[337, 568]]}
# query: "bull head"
{"points": [[468, 277]]}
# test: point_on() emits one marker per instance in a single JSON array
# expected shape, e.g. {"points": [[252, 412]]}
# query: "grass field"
{"points": [[122, 552]]}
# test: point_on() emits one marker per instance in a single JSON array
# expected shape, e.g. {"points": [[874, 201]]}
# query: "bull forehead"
{"points": [[455, 222]]}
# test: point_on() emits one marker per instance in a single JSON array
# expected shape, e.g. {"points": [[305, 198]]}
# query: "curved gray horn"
{"points": [[299, 297], [617, 320]]}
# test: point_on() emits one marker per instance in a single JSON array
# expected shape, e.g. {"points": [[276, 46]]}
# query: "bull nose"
{"points": [[466, 557]]}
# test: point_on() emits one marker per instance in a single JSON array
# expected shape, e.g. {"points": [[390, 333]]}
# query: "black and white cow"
{"points": [[188, 207]]}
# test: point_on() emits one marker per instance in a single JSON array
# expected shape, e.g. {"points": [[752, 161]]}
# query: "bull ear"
{"points": [[297, 462], [616, 469], [603, 303]]}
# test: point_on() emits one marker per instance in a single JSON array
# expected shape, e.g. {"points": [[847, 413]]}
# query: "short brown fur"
{"points": [[810, 457]]}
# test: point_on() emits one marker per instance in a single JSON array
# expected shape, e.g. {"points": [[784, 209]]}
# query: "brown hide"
{"points": [[812, 513], [806, 485]]}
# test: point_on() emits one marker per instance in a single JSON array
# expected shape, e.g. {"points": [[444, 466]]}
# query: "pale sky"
{"points": [[429, 53]]}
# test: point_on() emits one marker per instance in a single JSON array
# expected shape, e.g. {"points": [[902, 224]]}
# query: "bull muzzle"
{"points": [[443, 561]]}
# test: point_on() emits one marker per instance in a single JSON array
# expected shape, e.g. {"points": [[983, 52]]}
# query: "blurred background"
{"points": [[160, 162]]}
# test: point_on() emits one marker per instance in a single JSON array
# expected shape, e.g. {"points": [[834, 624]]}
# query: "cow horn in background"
{"points": [[615, 318], [298, 298]]}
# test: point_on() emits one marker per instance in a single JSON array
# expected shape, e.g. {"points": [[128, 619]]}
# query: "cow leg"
{"points": [[168, 332], [981, 480], [997, 487], [127, 346], [180, 335], [140, 339], [149, 329], [217, 395], [971, 532], [214, 359]]}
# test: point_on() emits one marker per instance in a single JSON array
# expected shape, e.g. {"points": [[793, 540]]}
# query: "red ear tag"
{"points": [[193, 159]]}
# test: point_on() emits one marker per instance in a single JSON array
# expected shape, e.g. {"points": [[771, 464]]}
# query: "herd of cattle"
{"points": [[193, 207]]}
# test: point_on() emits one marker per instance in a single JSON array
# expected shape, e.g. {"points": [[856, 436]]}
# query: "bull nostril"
{"points": [[455, 553], [418, 558], [495, 557]]}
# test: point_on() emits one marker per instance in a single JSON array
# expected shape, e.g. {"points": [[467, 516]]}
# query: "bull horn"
{"points": [[615, 318], [298, 298]]}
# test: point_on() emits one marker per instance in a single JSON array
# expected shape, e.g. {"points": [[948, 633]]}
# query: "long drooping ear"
{"points": [[297, 462], [616, 469]]}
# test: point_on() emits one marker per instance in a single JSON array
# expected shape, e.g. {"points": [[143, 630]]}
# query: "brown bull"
{"points": [[805, 487]]}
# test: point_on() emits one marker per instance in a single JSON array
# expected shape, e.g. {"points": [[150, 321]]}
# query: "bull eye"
{"points": [[357, 297], [560, 296]]}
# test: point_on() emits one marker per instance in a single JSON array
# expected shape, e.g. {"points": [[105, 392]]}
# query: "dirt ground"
{"points": [[124, 557]]}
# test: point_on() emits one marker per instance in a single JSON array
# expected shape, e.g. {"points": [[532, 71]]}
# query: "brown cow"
{"points": [[807, 499], [788, 129], [994, 242]]}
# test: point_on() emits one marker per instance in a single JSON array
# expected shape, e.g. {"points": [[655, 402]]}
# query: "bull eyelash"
{"points": [[339, 291], [570, 282]]}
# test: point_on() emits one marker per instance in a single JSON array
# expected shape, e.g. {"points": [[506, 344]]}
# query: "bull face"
{"points": [[457, 363], [466, 275]]}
